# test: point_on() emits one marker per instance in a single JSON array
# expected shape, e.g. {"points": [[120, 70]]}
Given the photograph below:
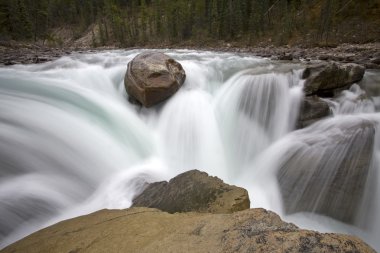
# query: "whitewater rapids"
{"points": [[71, 143]]}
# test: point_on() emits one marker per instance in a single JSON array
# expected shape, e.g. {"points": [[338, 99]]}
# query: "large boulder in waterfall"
{"points": [[150, 230], [327, 168], [312, 109], [326, 78], [193, 191], [153, 77]]}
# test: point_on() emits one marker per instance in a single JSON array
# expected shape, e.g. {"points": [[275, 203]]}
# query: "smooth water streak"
{"points": [[71, 144]]}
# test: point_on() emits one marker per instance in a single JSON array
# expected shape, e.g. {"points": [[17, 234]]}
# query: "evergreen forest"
{"points": [[195, 22]]}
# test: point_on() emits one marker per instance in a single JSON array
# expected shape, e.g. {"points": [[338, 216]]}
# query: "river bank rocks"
{"points": [[12, 52], [151, 230], [364, 54], [328, 172], [193, 191], [27, 54], [152, 77]]}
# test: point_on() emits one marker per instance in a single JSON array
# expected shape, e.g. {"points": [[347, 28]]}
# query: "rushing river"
{"points": [[71, 143]]}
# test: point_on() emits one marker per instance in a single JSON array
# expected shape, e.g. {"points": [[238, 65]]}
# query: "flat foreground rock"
{"points": [[151, 230]]}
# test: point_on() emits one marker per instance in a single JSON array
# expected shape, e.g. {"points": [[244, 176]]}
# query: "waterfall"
{"points": [[71, 143], [256, 109]]}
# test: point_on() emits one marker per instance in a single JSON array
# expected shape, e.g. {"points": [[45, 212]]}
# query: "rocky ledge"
{"points": [[141, 229]]}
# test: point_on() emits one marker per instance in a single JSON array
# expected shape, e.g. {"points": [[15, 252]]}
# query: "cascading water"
{"points": [[254, 110], [70, 143]]}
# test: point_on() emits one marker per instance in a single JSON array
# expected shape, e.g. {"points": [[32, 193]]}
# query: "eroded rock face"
{"points": [[328, 172], [153, 77], [150, 230], [326, 78], [312, 109], [193, 191]]}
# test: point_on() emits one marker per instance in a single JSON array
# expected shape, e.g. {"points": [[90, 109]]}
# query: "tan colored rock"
{"points": [[193, 191], [153, 77], [150, 230]]}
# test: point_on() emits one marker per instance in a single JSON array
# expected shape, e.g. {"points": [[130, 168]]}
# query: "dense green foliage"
{"points": [[137, 22]]}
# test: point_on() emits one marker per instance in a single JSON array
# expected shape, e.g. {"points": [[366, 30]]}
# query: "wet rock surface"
{"points": [[151, 230], [327, 175], [152, 77], [312, 109], [193, 191], [328, 78]]}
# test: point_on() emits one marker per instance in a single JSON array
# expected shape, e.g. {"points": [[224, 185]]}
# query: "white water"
{"points": [[70, 143]]}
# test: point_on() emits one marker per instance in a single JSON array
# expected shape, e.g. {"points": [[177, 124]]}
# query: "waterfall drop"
{"points": [[70, 143]]}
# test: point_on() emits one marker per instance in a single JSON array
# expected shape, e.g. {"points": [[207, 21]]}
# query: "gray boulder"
{"points": [[153, 77], [327, 78], [328, 172], [193, 191]]}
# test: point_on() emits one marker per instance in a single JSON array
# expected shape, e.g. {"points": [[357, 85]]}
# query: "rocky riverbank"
{"points": [[141, 229], [367, 55], [17, 53], [21, 53]]}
